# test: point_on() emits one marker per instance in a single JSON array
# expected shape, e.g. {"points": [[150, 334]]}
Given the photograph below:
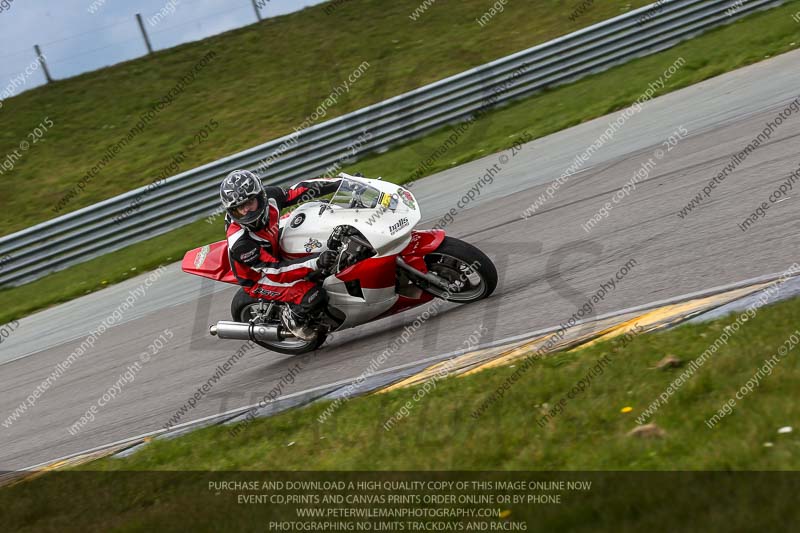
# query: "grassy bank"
{"points": [[590, 433], [263, 81], [725, 49], [440, 433]]}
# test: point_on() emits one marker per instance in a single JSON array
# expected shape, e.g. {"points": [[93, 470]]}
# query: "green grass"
{"points": [[108, 269], [440, 433], [264, 81], [745, 42], [725, 49]]}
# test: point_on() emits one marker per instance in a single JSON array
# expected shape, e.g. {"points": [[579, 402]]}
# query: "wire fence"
{"points": [[125, 39]]}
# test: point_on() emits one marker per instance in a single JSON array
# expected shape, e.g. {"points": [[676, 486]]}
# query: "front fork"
{"points": [[423, 279]]}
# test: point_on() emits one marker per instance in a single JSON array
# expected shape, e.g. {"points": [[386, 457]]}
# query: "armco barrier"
{"points": [[89, 232]]}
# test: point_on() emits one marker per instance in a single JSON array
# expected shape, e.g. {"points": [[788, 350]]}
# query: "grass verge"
{"points": [[106, 270], [590, 433], [263, 81], [440, 433], [744, 42]]}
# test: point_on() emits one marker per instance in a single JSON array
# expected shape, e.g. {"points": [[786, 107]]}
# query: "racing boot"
{"points": [[297, 323]]}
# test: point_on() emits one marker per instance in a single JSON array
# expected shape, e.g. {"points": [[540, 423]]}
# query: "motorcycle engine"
{"points": [[351, 245]]}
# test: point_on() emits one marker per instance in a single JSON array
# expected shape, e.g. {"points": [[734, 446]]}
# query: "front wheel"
{"points": [[245, 308], [469, 274]]}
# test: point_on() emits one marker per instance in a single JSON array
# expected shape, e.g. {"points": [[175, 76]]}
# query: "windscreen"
{"points": [[356, 195]]}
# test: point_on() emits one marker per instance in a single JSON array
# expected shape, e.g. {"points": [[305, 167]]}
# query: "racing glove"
{"points": [[326, 259]]}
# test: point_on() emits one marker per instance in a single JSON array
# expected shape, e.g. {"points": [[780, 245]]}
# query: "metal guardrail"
{"points": [[91, 231]]}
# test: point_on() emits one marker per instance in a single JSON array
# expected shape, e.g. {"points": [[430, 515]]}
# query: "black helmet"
{"points": [[239, 187]]}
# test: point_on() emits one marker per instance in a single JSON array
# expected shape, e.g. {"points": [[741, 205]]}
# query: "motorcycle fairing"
{"points": [[377, 278], [371, 292], [210, 261]]}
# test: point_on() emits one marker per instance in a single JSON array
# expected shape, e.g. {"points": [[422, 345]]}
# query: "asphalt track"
{"points": [[549, 267]]}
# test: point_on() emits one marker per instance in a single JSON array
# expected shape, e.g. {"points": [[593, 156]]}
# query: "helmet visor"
{"points": [[249, 211], [249, 205]]}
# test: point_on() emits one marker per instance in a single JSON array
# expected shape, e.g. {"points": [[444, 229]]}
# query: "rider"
{"points": [[252, 229]]}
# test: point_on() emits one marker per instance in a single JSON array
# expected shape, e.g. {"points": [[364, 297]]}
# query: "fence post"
{"points": [[42, 62], [144, 34], [258, 13]]}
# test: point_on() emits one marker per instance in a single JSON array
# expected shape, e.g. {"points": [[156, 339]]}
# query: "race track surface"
{"points": [[549, 266]]}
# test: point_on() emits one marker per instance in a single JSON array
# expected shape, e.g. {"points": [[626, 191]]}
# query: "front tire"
{"points": [[244, 308], [470, 273]]}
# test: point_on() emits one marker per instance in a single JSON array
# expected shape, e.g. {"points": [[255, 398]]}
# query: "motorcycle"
{"points": [[384, 266]]}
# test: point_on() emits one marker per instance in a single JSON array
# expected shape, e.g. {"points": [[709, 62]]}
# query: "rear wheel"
{"points": [[245, 308], [469, 274]]}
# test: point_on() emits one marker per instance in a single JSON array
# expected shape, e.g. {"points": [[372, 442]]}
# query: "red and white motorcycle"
{"points": [[384, 265]]}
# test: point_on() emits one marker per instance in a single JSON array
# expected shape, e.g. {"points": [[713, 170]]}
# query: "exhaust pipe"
{"points": [[243, 331]]}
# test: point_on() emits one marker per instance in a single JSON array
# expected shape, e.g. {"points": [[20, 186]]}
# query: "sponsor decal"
{"points": [[416, 240], [312, 245], [402, 223], [266, 292], [296, 221], [200, 258], [407, 198]]}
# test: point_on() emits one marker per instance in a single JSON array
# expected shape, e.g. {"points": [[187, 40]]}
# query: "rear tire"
{"points": [[242, 310], [451, 260]]}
